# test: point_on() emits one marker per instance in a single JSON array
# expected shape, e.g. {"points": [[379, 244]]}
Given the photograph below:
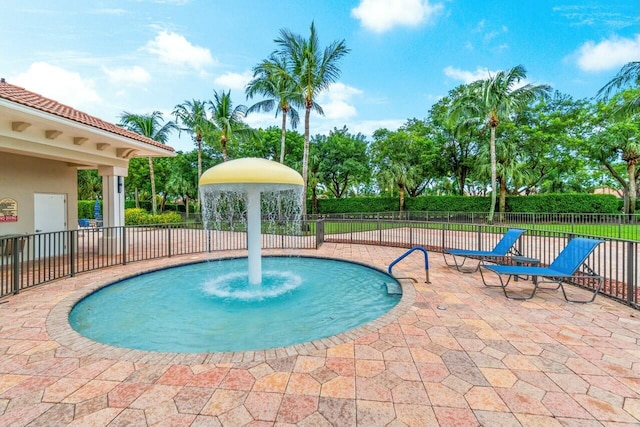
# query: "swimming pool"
{"points": [[211, 307]]}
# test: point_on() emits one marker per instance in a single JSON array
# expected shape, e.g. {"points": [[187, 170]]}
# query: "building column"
{"points": [[112, 207]]}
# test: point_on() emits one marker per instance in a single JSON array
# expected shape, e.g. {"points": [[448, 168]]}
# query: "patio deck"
{"points": [[484, 360]]}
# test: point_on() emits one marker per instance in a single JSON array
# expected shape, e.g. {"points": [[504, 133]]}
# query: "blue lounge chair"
{"points": [[562, 269], [500, 250]]}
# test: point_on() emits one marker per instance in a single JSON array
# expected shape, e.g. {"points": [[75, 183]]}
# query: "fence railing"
{"points": [[620, 226], [31, 260], [616, 260]]}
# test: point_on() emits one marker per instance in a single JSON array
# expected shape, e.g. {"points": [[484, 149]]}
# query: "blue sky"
{"points": [[103, 57]]}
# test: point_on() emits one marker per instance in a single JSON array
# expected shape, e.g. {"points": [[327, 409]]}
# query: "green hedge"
{"points": [[131, 204], [356, 204], [146, 205], [543, 203], [85, 208], [141, 217], [564, 203], [448, 203]]}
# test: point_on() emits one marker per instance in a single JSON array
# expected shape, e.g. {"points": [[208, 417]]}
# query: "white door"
{"points": [[49, 216]]}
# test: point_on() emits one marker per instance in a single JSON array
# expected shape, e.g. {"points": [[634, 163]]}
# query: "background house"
{"points": [[43, 144]]}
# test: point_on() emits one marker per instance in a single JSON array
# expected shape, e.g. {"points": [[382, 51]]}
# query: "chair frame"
{"points": [[561, 270], [500, 251]]}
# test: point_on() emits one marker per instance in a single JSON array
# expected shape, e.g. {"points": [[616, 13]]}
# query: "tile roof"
{"points": [[33, 100]]}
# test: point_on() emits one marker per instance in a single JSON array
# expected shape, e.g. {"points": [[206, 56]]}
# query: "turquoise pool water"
{"points": [[211, 307]]}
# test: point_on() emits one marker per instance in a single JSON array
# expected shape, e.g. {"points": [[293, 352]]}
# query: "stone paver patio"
{"points": [[454, 353]]}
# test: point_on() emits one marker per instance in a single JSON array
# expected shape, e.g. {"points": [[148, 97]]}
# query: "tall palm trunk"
{"points": [[154, 207], [503, 197], [314, 200], [401, 192], [631, 171], [223, 145], [305, 158], [199, 141], [494, 173], [283, 134]]}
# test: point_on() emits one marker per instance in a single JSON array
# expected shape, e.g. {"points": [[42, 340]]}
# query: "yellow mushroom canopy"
{"points": [[251, 170]]}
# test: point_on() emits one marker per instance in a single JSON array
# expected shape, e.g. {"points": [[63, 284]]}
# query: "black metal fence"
{"points": [[31, 260], [616, 260], [620, 226]]}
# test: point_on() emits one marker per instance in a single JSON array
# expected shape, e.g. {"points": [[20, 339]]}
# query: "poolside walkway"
{"points": [[455, 353]]}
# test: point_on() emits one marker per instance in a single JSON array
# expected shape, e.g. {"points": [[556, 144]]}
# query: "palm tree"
{"points": [[151, 126], [178, 184], [272, 80], [509, 169], [494, 99], [313, 69], [227, 118], [89, 184], [192, 116], [628, 76]]}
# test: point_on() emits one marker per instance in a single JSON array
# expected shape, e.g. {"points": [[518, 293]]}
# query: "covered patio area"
{"points": [[453, 353]]}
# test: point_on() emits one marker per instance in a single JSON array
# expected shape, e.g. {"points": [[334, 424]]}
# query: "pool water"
{"points": [[211, 307]]}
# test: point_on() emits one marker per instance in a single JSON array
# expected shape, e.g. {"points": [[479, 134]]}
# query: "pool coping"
{"points": [[60, 330]]}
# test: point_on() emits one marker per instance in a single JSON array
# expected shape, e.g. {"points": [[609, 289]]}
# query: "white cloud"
{"points": [[128, 76], [265, 120], [382, 15], [368, 127], [173, 48], [468, 76], [64, 86], [335, 102], [479, 74], [608, 54], [234, 80]]}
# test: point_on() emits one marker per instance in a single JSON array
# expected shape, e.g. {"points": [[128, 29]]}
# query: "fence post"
{"points": [[319, 233], [169, 241], [124, 245], [72, 251], [631, 291], [15, 254]]}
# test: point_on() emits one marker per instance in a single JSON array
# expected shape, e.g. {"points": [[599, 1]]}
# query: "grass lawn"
{"points": [[616, 231]]}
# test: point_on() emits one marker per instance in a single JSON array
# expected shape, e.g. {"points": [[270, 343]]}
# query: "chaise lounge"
{"points": [[564, 268], [501, 250]]}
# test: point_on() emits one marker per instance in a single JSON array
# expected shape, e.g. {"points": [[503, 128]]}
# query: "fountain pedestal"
{"points": [[253, 236], [249, 177]]}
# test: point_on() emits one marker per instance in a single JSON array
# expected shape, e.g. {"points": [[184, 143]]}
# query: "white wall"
{"points": [[21, 177]]}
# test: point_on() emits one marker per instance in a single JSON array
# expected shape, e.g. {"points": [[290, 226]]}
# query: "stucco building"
{"points": [[43, 144]]}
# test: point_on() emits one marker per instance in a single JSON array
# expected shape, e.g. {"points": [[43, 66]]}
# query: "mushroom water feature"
{"points": [[231, 304], [234, 191]]}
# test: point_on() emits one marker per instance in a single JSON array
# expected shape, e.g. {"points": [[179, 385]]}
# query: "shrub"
{"points": [[448, 203], [141, 217], [564, 203], [542, 203], [357, 205], [85, 208]]}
